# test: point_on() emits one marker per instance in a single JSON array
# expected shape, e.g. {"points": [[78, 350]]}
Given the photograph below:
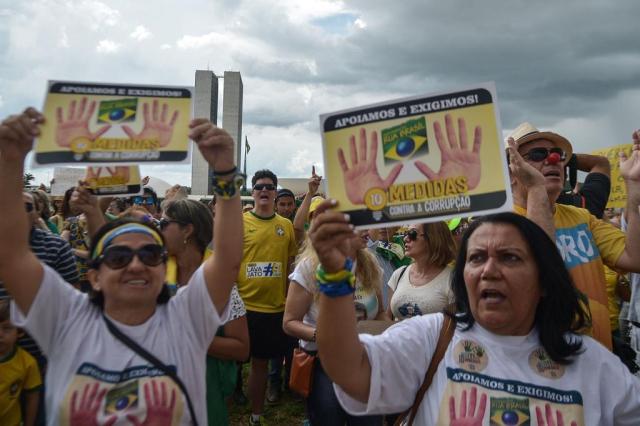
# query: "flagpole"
{"points": [[246, 143]]}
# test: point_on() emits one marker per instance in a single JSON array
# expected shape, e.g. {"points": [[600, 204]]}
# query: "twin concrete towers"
{"points": [[206, 106]]}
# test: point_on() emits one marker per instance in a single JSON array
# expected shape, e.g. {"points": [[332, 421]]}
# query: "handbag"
{"points": [[301, 377], [153, 361], [446, 333]]}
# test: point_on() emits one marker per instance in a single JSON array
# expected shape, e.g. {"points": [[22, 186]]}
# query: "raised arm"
{"points": [[221, 270], [303, 211], [630, 171], [593, 164], [86, 202], [343, 356], [20, 270], [538, 205]]}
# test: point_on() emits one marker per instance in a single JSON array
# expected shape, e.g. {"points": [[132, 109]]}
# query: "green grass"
{"points": [[287, 412]]}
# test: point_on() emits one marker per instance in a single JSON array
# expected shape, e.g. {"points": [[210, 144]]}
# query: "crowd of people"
{"points": [[144, 310]]}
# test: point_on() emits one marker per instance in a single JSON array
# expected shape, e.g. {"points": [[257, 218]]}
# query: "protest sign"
{"points": [[418, 159], [618, 194], [95, 123], [114, 181], [104, 181], [65, 178]]}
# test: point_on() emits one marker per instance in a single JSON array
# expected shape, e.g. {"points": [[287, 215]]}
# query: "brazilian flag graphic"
{"points": [[405, 140], [117, 111], [122, 397], [510, 412]]}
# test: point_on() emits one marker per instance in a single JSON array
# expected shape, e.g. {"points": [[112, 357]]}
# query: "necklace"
{"points": [[423, 279]]}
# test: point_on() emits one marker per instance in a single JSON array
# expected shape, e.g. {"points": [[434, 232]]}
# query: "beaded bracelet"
{"points": [[227, 188], [336, 284]]}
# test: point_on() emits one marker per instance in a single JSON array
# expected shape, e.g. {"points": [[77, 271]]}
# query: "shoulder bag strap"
{"points": [[153, 360], [446, 333]]}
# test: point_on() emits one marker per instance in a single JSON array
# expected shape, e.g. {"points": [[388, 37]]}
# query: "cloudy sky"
{"points": [[571, 66]]}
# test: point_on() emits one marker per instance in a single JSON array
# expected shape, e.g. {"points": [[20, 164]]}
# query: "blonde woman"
{"points": [[423, 286], [300, 316]]}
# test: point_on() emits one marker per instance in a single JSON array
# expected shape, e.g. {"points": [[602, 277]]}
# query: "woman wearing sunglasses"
{"points": [[423, 286], [187, 227], [98, 370]]}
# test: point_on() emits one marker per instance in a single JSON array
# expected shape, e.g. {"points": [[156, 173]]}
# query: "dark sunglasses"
{"points": [[142, 200], [540, 154], [411, 234], [163, 223], [267, 186], [117, 257], [28, 207]]}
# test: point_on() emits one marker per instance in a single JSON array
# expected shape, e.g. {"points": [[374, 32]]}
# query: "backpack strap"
{"points": [[446, 334]]}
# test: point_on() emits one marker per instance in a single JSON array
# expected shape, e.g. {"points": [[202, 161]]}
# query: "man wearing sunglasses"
{"points": [[269, 250], [537, 162], [148, 200]]}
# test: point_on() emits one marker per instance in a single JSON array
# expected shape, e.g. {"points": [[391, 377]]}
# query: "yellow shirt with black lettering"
{"points": [[586, 244], [18, 373], [269, 243]]}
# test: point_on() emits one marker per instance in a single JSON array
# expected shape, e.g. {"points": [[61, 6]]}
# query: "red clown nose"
{"points": [[553, 158]]}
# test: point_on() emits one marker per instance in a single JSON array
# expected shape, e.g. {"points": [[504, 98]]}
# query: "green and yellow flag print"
{"points": [[405, 141], [117, 111]]}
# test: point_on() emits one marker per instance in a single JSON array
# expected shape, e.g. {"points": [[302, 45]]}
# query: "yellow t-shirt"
{"points": [[268, 245], [19, 373], [586, 244], [611, 278]]}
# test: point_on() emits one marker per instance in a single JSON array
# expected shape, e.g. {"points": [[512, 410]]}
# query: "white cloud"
{"points": [[165, 46], [107, 46], [64, 39], [360, 24], [197, 42], [140, 33], [100, 13], [1, 102]]}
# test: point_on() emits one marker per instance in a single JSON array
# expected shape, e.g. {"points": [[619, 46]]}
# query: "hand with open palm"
{"points": [[157, 124], [457, 159], [75, 127], [363, 174], [630, 168]]}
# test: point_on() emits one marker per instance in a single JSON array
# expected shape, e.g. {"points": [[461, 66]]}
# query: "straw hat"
{"points": [[526, 133]]}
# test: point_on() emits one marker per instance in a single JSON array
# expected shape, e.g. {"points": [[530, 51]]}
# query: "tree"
{"points": [[27, 178]]}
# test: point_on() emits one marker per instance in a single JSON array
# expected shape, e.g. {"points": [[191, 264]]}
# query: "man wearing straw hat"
{"points": [[537, 165]]}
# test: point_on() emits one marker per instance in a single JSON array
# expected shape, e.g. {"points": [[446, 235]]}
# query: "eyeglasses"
{"points": [[143, 200], [28, 207], [163, 223], [540, 154], [117, 257], [267, 186], [412, 234]]}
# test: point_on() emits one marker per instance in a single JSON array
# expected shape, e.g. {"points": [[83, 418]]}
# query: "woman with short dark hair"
{"points": [[516, 355]]}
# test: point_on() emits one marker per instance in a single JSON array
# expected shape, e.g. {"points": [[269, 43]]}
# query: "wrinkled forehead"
{"points": [[538, 143]]}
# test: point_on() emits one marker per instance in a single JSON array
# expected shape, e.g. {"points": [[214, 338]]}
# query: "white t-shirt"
{"points": [[366, 301], [410, 301], [84, 356], [507, 377]]}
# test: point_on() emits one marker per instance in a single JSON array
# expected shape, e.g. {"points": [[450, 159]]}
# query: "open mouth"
{"points": [[552, 173], [492, 296]]}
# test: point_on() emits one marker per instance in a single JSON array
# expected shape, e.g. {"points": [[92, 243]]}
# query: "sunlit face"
{"points": [[553, 173], [415, 247], [134, 285], [501, 277], [285, 206], [264, 198]]}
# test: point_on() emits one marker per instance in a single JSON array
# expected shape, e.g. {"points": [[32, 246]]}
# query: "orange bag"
{"points": [[301, 377]]}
